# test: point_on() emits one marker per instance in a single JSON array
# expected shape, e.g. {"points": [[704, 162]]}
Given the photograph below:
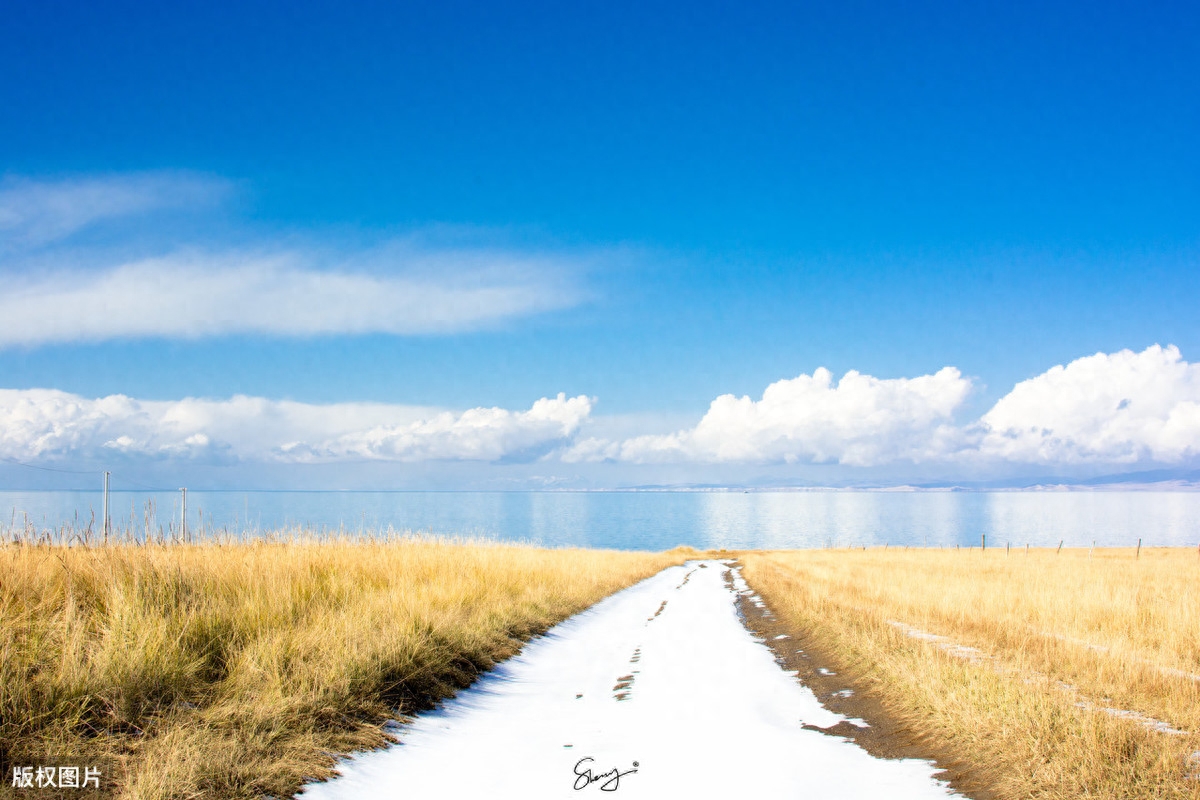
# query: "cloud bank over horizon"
{"points": [[132, 285], [1119, 409], [46, 424]]}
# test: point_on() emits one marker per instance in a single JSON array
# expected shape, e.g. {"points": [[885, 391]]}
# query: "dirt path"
{"points": [[887, 737], [658, 691]]}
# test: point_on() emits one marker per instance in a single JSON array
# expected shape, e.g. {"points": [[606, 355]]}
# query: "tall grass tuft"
{"points": [[1081, 661], [238, 670]]}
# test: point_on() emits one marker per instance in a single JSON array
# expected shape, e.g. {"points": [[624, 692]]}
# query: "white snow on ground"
{"points": [[683, 703], [972, 654]]}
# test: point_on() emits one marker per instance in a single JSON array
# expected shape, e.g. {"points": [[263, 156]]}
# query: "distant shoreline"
{"points": [[1157, 486]]}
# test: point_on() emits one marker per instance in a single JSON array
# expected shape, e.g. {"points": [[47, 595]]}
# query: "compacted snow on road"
{"points": [[655, 692]]}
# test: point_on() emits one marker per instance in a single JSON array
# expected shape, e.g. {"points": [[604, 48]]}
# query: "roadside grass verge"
{"points": [[238, 670], [1048, 675]]}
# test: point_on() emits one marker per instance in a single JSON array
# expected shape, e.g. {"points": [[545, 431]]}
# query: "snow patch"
{"points": [[708, 714]]}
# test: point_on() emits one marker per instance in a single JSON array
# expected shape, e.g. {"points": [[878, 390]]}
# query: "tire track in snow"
{"points": [[706, 713]]}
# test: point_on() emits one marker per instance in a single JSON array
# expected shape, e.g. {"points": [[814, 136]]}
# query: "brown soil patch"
{"points": [[852, 695]]}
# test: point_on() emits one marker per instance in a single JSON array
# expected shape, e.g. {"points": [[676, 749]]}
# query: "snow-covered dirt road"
{"points": [[656, 692]]}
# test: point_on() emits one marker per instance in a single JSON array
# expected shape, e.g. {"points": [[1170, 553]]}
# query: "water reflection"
{"points": [[654, 520], [839, 519]]}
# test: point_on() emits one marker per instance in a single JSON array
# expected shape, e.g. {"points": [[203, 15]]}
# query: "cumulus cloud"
{"points": [[145, 279], [41, 424], [1118, 408], [480, 434], [860, 420]]}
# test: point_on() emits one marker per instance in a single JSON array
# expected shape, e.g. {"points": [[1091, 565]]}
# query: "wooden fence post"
{"points": [[104, 524]]}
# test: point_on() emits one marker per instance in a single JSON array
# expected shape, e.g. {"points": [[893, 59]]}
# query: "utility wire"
{"points": [[52, 469], [123, 479], [120, 478]]}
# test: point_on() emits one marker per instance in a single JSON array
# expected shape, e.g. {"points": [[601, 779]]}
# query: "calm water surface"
{"points": [[655, 520]]}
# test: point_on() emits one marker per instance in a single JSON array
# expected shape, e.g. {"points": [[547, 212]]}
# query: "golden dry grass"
{"points": [[238, 670], [1061, 638]]}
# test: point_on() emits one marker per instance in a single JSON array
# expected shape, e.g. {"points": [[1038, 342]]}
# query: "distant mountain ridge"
{"points": [[1148, 480]]}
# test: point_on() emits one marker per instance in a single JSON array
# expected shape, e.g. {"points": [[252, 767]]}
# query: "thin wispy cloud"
{"points": [[283, 285], [35, 213], [197, 294]]}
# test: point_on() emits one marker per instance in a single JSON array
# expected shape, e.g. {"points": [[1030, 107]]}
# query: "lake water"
{"points": [[655, 520]]}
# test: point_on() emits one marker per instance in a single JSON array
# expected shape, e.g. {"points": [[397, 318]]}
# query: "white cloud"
{"points": [[480, 434], [149, 276], [1118, 408], [34, 213], [45, 424], [276, 294], [860, 420]]}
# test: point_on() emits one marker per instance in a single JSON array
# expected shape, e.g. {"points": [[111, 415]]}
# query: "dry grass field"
{"points": [[240, 670], [1050, 675]]}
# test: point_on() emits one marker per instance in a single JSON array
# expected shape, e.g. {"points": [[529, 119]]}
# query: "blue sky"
{"points": [[648, 206]]}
